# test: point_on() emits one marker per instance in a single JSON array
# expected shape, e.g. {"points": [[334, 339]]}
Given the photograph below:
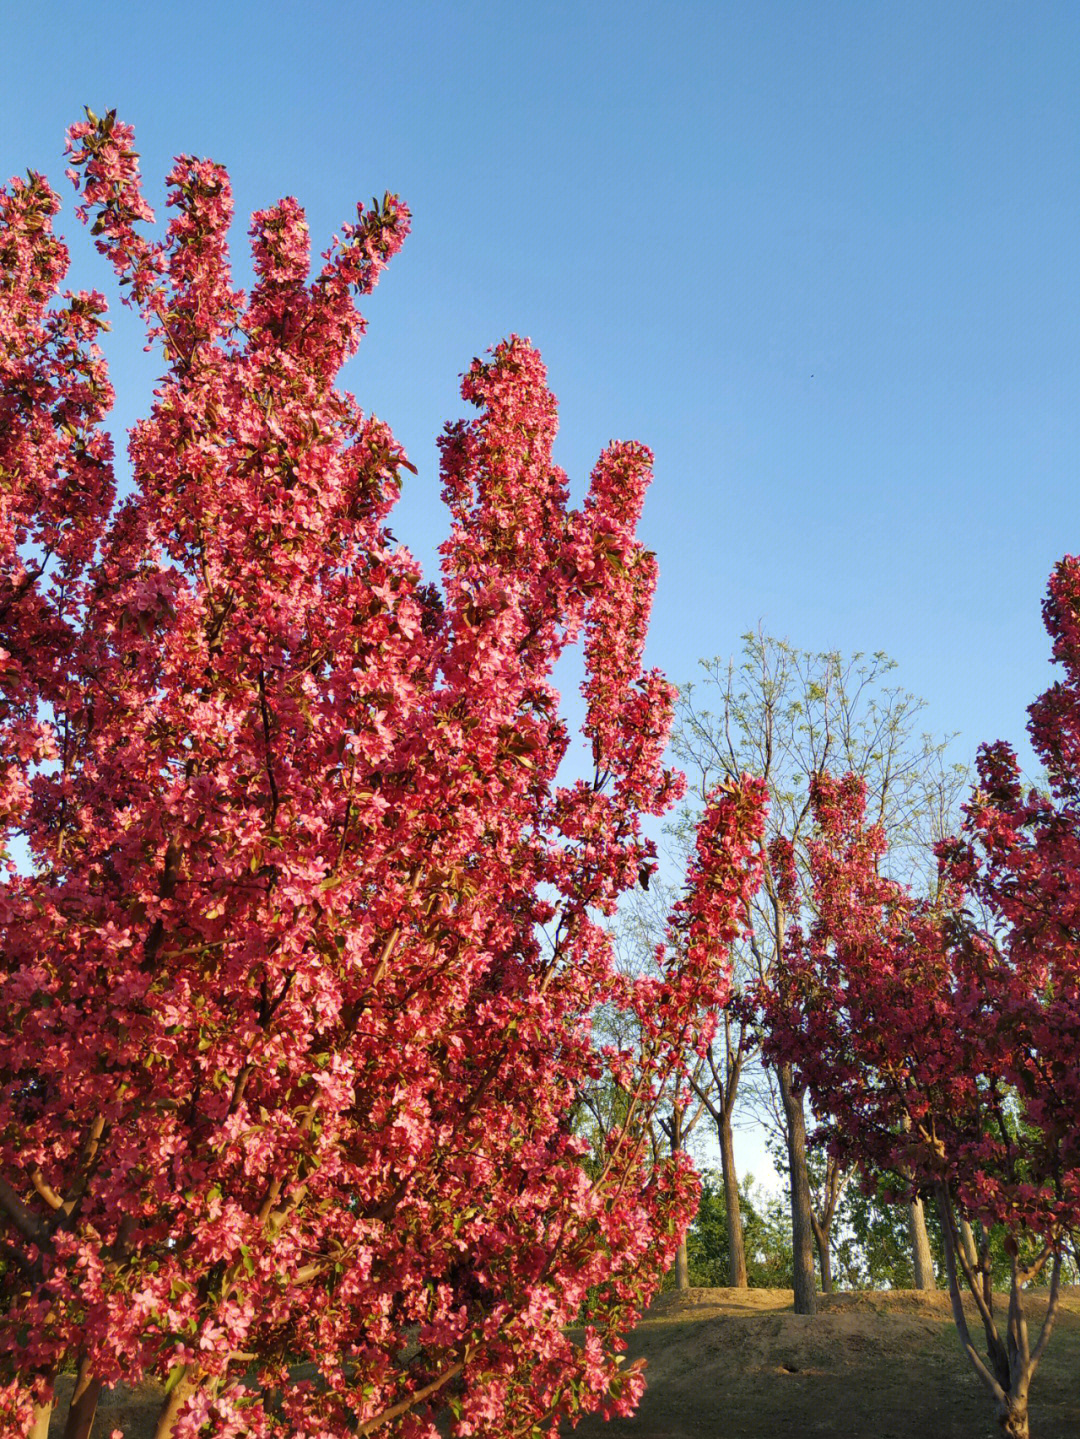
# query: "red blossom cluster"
{"points": [[299, 972], [724, 873]]}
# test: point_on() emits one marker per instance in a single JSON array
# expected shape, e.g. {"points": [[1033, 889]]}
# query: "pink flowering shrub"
{"points": [[298, 983]]}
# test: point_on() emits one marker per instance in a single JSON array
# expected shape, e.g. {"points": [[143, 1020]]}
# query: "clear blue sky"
{"points": [[820, 256]]}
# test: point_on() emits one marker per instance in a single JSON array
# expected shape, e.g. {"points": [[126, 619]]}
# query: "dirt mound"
{"points": [[740, 1364], [757, 1331]]}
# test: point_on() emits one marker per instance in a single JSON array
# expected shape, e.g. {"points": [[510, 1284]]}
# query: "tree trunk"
{"points": [[802, 1229], [682, 1266], [677, 1136], [170, 1409], [1007, 1374], [737, 1277], [39, 1427], [1014, 1419], [824, 1250], [922, 1261], [967, 1239], [84, 1402]]}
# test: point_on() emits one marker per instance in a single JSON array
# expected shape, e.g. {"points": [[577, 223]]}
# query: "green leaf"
{"points": [[176, 1373]]}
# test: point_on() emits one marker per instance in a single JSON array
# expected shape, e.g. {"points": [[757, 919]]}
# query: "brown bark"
{"points": [[677, 1129], [719, 1100], [84, 1402], [823, 1245], [737, 1276], [835, 1179], [403, 1406], [27, 1223], [802, 1230], [922, 1261], [1011, 1363], [682, 1266], [1014, 1422]]}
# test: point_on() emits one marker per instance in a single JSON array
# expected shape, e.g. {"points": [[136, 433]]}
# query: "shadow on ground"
{"points": [[739, 1364]]}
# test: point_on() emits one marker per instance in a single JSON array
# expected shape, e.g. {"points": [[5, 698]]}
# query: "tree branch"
{"points": [[27, 1223], [410, 1402]]}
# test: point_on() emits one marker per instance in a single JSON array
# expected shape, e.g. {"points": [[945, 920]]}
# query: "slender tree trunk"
{"points": [[822, 1221], [737, 1277], [1011, 1362], [922, 1261], [682, 1266], [967, 1239], [84, 1402], [824, 1250], [822, 1241], [802, 1230], [677, 1136], [39, 1428]]}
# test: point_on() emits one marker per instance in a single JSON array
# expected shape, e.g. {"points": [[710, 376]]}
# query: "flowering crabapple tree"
{"points": [[299, 974], [945, 1053]]}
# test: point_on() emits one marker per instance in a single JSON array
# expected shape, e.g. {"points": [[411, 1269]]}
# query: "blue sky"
{"points": [[821, 257]]}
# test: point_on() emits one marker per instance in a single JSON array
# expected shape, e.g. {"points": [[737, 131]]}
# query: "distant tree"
{"points": [[766, 1233], [786, 714], [603, 1106], [873, 1247]]}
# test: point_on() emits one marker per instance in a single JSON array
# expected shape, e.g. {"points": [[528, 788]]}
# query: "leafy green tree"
{"points": [[873, 1246], [766, 1236]]}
